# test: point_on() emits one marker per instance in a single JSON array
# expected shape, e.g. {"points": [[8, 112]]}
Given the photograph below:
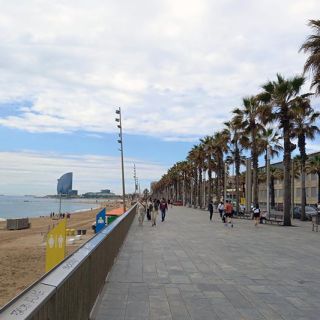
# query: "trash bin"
{"points": [[110, 219], [84, 231], [78, 232]]}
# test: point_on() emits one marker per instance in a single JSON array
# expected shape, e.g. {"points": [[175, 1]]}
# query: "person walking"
{"points": [[154, 213], [256, 215], [163, 209], [142, 212], [221, 209], [149, 204], [228, 210], [210, 209]]}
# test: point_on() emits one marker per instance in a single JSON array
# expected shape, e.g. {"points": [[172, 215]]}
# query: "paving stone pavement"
{"points": [[190, 268]]}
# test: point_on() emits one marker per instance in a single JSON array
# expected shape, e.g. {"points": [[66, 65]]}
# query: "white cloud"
{"points": [[176, 68], [28, 172]]}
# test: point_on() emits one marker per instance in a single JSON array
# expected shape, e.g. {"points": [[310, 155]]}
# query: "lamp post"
{"points": [[120, 141], [248, 185], [225, 182], [135, 180], [268, 181]]}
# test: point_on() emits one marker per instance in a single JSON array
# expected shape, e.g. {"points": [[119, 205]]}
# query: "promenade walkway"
{"points": [[190, 268]]}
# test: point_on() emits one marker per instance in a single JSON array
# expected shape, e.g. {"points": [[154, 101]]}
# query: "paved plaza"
{"points": [[190, 268]]}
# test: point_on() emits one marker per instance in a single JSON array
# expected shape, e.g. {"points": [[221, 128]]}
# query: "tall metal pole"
{"points": [[225, 182], [118, 111], [135, 180], [183, 192], [204, 188], [248, 185], [268, 181]]}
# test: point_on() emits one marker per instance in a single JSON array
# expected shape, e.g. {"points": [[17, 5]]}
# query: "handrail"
{"points": [[78, 279]]}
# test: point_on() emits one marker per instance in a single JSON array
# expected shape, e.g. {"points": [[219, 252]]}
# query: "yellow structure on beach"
{"points": [[56, 245]]}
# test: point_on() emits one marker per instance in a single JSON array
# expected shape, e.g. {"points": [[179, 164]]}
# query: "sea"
{"points": [[31, 206]]}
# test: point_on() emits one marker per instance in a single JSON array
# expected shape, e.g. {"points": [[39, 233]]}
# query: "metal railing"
{"points": [[70, 290]]}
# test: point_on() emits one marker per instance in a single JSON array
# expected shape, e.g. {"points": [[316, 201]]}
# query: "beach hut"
{"points": [[114, 214], [17, 224]]}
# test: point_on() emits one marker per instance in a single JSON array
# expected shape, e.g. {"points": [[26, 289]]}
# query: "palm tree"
{"points": [[250, 119], [220, 146], [197, 157], [304, 128], [280, 95], [208, 144], [269, 137], [237, 139], [183, 170], [313, 166], [312, 46]]}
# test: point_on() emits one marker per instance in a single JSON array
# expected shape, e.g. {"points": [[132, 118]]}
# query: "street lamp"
{"points": [[120, 141], [135, 180], [268, 181], [225, 182]]}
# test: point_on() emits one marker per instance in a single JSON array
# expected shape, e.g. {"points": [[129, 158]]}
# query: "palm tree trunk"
{"points": [[199, 188], [303, 192], [210, 180], [302, 148], [237, 164], [287, 176], [318, 187], [272, 195], [218, 181], [195, 188], [254, 155], [221, 176], [216, 186]]}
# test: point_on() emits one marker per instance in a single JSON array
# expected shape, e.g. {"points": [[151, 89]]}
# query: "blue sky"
{"points": [[176, 71]]}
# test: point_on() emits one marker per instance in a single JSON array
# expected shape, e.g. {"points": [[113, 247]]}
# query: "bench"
{"points": [[243, 216], [274, 218]]}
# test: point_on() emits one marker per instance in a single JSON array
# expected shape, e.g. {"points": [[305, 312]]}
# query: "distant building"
{"points": [[73, 193], [105, 193], [64, 185], [311, 187]]}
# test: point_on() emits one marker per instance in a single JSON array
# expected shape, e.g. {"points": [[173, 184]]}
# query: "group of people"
{"points": [[150, 208], [226, 212]]}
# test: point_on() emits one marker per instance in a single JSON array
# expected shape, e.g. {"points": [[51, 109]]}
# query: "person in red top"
{"points": [[228, 208]]}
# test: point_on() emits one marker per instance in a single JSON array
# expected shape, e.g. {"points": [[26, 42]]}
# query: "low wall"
{"points": [[70, 290]]}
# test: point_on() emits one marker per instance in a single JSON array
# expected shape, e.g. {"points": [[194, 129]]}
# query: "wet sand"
{"points": [[22, 252]]}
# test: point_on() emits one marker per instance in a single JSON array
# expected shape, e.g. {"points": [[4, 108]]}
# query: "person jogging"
{"points": [[228, 210], [256, 215]]}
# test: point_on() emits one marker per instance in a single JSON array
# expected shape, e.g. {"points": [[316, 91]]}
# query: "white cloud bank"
{"points": [[175, 67], [28, 172]]}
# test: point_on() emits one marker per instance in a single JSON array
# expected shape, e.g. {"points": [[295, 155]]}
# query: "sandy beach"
{"points": [[22, 252]]}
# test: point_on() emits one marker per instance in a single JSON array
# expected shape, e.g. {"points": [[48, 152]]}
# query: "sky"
{"points": [[176, 68]]}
